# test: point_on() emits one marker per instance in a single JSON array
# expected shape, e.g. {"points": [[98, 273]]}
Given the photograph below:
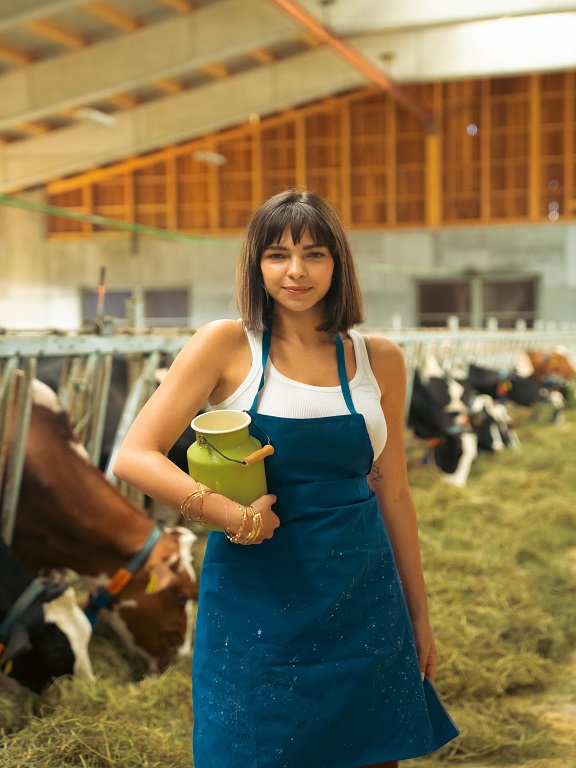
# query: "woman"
{"points": [[313, 648]]}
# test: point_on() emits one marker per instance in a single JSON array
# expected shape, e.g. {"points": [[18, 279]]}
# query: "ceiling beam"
{"points": [[112, 15], [14, 55], [175, 118], [215, 69], [261, 55], [182, 6], [354, 57], [168, 85], [345, 18], [34, 129], [14, 14], [123, 100], [56, 32], [175, 46]]}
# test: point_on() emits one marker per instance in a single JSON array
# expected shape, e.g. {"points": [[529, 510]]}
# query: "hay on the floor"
{"points": [[496, 559]]}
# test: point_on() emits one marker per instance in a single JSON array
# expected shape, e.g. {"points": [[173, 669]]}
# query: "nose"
{"points": [[296, 267]]}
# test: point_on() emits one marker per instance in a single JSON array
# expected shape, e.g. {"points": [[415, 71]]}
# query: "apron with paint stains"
{"points": [[304, 653]]}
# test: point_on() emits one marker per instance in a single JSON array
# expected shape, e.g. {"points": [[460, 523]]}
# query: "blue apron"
{"points": [[304, 654]]}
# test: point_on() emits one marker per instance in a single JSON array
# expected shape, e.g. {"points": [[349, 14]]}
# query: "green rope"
{"points": [[104, 221]]}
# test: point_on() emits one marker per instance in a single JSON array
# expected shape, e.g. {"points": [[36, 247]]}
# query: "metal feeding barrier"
{"points": [[85, 380]]}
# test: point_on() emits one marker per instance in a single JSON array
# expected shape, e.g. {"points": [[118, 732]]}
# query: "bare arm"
{"points": [[206, 366], [389, 481]]}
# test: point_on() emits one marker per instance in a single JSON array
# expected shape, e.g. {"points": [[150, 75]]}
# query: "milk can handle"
{"points": [[247, 461]]}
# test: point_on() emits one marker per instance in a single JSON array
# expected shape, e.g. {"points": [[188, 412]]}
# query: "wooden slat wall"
{"points": [[504, 151]]}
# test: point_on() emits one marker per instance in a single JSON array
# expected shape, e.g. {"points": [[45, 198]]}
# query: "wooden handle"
{"points": [[258, 455]]}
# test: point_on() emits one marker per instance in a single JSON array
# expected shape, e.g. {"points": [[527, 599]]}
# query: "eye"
{"points": [[316, 254]]}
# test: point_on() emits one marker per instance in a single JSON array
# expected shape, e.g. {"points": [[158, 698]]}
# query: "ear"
{"points": [[18, 643], [161, 577]]}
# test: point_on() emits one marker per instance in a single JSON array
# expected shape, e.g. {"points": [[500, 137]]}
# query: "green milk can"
{"points": [[226, 458]]}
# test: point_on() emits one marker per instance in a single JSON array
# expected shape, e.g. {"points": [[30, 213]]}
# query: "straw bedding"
{"points": [[500, 564]]}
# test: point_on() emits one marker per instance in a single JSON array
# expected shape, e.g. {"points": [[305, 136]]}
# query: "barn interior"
{"points": [[443, 134], [137, 137]]}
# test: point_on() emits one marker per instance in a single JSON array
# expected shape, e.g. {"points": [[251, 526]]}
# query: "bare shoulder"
{"points": [[387, 362], [217, 335]]}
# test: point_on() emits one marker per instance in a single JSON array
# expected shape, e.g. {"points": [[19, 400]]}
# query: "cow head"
{"points": [[49, 639], [153, 614]]}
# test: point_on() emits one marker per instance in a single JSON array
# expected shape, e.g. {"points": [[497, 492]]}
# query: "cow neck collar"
{"points": [[19, 607], [105, 596]]}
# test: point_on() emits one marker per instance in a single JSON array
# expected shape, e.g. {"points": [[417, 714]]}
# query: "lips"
{"points": [[297, 291]]}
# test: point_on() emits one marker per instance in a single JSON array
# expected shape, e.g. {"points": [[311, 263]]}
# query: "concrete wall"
{"points": [[41, 281]]}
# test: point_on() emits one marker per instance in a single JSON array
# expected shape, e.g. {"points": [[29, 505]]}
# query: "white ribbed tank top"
{"points": [[291, 399]]}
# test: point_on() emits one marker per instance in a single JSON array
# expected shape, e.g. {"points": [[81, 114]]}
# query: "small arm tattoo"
{"points": [[375, 473]]}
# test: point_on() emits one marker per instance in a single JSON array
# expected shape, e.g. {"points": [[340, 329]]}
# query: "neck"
{"points": [[300, 328]]}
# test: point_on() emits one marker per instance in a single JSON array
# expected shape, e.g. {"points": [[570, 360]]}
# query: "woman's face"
{"points": [[297, 276]]}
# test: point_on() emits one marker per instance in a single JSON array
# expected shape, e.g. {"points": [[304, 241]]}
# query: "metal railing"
{"points": [[86, 379]]}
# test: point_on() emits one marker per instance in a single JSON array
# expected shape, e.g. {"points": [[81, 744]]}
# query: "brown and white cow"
{"points": [[551, 366], [70, 516]]}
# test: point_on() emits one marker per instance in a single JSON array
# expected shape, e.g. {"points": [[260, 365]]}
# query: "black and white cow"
{"points": [[43, 632], [439, 415]]}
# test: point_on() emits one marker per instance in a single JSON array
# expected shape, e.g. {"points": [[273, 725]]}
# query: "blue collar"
{"points": [[104, 596]]}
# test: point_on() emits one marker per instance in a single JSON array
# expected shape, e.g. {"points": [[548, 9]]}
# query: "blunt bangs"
{"points": [[298, 217]]}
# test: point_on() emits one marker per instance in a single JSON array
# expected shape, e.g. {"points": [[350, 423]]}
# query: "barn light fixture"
{"points": [[96, 116], [207, 156]]}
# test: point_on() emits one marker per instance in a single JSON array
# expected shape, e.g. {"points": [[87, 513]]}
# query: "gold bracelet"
{"points": [[188, 501], [235, 538], [256, 526]]}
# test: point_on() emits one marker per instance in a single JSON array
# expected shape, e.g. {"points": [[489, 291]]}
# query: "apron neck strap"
{"points": [[266, 340], [342, 375]]}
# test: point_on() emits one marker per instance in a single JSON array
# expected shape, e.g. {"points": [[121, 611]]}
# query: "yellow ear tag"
{"points": [[151, 584], [8, 667]]}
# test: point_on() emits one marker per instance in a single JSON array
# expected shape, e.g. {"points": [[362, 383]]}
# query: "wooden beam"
{"points": [[182, 6], [14, 55], [171, 178], [116, 17], [311, 24], [569, 143], [262, 55], [485, 129], [214, 207], [391, 163], [216, 69], [434, 166], [33, 128], [126, 166], [257, 166], [300, 149], [57, 33], [123, 100], [535, 167], [168, 85], [345, 162]]}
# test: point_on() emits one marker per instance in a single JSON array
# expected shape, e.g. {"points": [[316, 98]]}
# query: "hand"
{"points": [[426, 649], [270, 520]]}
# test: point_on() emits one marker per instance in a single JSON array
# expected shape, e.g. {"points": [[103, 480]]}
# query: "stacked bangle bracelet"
{"points": [[240, 537], [252, 535], [190, 499]]}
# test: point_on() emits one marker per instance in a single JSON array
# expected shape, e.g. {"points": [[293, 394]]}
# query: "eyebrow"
{"points": [[284, 248]]}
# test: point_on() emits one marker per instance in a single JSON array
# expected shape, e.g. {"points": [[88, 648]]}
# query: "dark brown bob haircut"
{"points": [[299, 211]]}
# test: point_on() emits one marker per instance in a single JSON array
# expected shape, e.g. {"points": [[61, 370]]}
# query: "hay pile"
{"points": [[502, 593], [496, 556]]}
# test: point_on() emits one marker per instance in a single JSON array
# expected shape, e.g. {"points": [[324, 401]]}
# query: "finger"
{"points": [[431, 667]]}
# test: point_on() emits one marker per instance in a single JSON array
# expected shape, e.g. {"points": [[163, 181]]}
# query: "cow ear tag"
{"points": [[151, 586]]}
